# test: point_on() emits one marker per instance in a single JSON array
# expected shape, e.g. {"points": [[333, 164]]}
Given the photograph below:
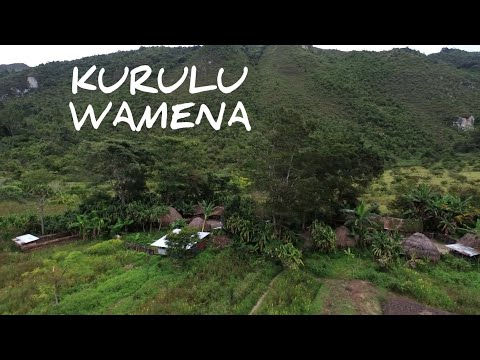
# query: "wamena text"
{"points": [[148, 119]]}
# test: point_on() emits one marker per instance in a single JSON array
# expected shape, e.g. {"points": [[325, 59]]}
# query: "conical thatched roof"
{"points": [[421, 247], [470, 240], [196, 223], [344, 238], [172, 216]]}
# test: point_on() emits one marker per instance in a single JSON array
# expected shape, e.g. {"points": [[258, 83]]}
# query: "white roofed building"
{"points": [[161, 245], [25, 239]]}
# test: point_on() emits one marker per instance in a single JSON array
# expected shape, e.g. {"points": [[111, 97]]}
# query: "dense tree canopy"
{"points": [[307, 173], [323, 125]]}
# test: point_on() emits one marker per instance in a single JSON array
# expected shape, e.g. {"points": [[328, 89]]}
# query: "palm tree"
{"points": [[361, 223], [207, 209]]}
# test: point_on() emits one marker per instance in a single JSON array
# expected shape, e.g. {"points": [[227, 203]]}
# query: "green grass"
{"points": [[453, 284], [320, 299], [215, 283], [463, 174], [105, 278], [293, 293], [102, 277], [11, 208]]}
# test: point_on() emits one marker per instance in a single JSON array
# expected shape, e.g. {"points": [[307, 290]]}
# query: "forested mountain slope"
{"points": [[400, 103]]}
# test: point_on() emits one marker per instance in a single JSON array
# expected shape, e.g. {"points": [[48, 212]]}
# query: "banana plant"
{"points": [[98, 225], [289, 256], [420, 200], [116, 228], [81, 224], [323, 236], [264, 234]]}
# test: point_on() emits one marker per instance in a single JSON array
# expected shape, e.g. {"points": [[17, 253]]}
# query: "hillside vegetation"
{"points": [[336, 139], [400, 102]]}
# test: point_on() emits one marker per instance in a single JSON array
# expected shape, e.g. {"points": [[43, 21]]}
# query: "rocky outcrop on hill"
{"points": [[465, 124]]}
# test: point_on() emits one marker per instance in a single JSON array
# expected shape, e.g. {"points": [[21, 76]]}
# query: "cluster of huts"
{"points": [[417, 243], [31, 242], [214, 221]]}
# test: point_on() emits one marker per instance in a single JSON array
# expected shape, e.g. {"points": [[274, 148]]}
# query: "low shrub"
{"points": [[105, 247], [323, 237], [386, 248]]}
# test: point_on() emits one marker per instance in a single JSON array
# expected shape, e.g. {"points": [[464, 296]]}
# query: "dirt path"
{"points": [[260, 301], [399, 305], [354, 297]]}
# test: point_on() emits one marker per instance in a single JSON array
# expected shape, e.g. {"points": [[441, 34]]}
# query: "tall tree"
{"points": [[309, 171], [180, 174], [36, 184], [281, 164], [122, 164]]}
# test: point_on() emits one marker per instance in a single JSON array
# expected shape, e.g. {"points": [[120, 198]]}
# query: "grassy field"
{"points": [[64, 200], [11, 208], [98, 277], [462, 175], [452, 285], [105, 278]]}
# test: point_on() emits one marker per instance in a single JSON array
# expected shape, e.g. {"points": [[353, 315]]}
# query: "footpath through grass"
{"points": [[452, 285], [102, 277]]}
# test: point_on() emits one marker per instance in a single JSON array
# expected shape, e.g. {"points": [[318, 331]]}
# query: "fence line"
{"points": [[141, 248]]}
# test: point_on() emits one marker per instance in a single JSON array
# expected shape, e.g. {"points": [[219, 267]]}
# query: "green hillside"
{"points": [[12, 67], [399, 102], [398, 105], [337, 140]]}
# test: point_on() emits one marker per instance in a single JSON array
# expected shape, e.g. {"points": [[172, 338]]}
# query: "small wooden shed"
{"points": [[29, 242]]}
